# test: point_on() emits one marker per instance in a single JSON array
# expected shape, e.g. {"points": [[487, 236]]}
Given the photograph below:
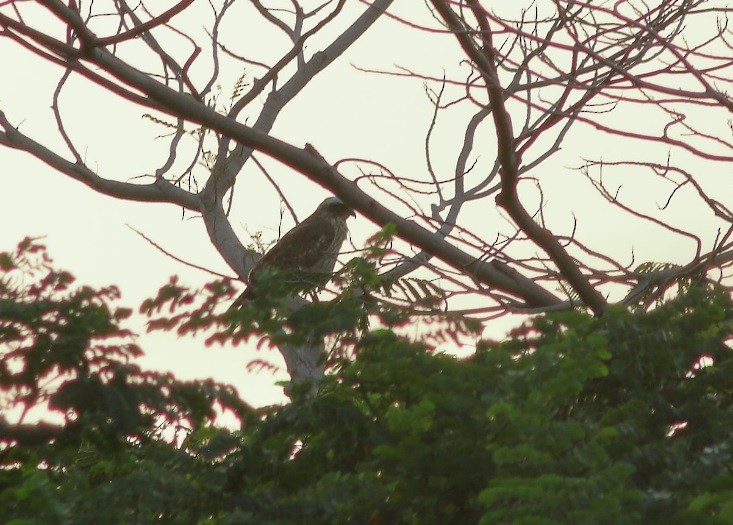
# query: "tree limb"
{"points": [[159, 191], [485, 60]]}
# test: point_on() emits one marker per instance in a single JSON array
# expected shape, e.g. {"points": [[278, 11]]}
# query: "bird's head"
{"points": [[333, 206]]}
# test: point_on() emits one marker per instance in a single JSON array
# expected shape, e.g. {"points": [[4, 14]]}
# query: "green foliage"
{"points": [[623, 419], [104, 447], [277, 313]]}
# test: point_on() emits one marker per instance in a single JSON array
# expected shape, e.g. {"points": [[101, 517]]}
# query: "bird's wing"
{"points": [[302, 247]]}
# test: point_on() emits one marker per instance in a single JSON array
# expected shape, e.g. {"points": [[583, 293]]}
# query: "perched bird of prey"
{"points": [[311, 246]]}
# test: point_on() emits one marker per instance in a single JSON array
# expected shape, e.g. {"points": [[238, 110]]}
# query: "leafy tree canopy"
{"points": [[573, 419]]}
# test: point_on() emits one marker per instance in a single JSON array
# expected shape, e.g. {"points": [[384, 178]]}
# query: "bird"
{"points": [[312, 246]]}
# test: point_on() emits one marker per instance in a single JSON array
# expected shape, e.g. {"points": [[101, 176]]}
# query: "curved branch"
{"points": [[485, 60], [228, 167], [162, 18], [159, 191]]}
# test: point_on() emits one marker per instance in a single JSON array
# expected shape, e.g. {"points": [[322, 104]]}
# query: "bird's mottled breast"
{"points": [[313, 245], [331, 251]]}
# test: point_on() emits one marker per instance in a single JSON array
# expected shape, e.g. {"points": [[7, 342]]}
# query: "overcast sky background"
{"points": [[343, 113]]}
